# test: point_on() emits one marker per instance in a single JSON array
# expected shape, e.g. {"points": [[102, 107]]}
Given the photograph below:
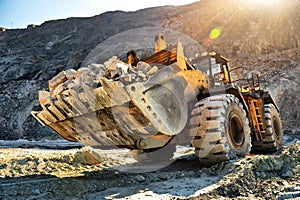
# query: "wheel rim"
{"points": [[236, 130]]}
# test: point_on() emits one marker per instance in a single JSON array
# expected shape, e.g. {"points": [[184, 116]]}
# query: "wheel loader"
{"points": [[222, 112]]}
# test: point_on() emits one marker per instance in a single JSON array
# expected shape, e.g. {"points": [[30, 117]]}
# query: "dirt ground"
{"points": [[61, 170]]}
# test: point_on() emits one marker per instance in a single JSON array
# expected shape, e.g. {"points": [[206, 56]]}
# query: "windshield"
{"points": [[203, 64], [215, 68]]}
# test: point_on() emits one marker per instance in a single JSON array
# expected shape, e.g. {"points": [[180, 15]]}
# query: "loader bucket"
{"points": [[118, 114]]}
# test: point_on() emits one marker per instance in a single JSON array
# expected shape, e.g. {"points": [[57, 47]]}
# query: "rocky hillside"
{"points": [[263, 37]]}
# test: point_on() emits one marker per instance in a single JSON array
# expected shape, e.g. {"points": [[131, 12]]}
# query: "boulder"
{"points": [[57, 80]]}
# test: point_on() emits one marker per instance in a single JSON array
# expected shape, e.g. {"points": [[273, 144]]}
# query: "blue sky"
{"points": [[20, 13]]}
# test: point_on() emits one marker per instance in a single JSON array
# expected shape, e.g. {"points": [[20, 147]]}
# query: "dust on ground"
{"points": [[39, 172]]}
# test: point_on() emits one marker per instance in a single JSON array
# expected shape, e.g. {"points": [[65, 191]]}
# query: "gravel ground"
{"points": [[37, 172]]}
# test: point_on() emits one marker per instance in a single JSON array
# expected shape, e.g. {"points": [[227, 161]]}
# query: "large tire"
{"points": [[273, 139], [220, 128]]}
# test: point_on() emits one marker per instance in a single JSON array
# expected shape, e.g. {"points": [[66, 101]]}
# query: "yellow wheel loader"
{"points": [[222, 112]]}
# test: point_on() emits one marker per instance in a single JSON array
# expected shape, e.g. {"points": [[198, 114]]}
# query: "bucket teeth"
{"points": [[77, 103], [115, 90], [90, 100], [89, 115]]}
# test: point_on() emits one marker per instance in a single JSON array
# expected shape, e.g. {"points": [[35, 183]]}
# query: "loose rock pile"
{"points": [[270, 177], [113, 69]]}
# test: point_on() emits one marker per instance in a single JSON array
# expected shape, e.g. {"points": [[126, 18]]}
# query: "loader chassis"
{"points": [[200, 104]]}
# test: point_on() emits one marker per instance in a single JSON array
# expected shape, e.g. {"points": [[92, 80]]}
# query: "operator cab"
{"points": [[216, 66]]}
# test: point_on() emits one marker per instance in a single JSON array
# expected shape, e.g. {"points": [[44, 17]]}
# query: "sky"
{"points": [[20, 13]]}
